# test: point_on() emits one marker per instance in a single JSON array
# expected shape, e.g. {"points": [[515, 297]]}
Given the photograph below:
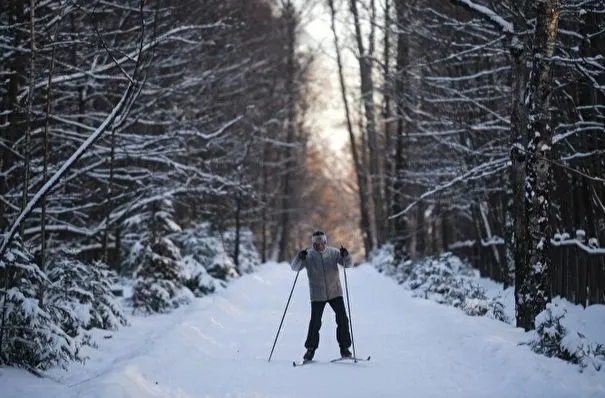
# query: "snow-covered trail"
{"points": [[218, 347]]}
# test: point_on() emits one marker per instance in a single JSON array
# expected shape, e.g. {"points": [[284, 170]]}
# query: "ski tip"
{"points": [[294, 363]]}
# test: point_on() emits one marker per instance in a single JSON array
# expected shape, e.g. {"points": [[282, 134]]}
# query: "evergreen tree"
{"points": [[82, 295], [107, 313], [157, 286], [249, 258], [30, 334], [206, 246], [197, 279]]}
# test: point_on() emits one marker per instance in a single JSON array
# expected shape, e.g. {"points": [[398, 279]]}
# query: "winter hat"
{"points": [[319, 236]]}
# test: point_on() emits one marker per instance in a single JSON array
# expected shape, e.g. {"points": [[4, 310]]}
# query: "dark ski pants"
{"points": [[342, 323]]}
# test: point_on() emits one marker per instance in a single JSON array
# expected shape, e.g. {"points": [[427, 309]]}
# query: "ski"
{"points": [[354, 359]]}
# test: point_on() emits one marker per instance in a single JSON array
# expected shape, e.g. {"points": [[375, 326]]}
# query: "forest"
{"points": [[173, 142]]}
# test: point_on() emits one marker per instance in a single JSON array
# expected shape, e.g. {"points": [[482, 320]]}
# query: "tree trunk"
{"points": [[400, 224], [365, 227], [290, 130], [367, 94], [108, 194], [420, 230], [515, 238], [17, 65], [264, 196], [238, 227], [30, 101], [535, 290], [389, 150], [45, 166]]}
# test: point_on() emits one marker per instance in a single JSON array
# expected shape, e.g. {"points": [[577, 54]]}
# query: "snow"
{"points": [[219, 344]]}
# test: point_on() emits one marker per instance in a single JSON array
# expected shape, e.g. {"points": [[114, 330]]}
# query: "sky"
{"points": [[218, 346], [328, 114]]}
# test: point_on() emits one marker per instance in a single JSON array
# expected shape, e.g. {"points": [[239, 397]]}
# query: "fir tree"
{"points": [[107, 312], [197, 279], [82, 295], [158, 287], [30, 335], [206, 247], [154, 222], [249, 258]]}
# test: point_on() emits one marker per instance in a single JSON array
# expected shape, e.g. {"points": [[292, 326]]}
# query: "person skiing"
{"points": [[321, 263]]}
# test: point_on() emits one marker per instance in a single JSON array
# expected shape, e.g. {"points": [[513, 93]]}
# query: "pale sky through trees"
{"points": [[328, 113]]}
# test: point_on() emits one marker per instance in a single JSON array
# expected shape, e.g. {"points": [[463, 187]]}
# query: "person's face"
{"points": [[319, 246]]}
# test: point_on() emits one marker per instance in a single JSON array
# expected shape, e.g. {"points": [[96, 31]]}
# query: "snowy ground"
{"points": [[218, 347]]}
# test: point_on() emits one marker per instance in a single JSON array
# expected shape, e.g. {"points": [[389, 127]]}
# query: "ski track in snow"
{"points": [[219, 345]]}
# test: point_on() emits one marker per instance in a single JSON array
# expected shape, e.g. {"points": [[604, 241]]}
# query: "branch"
{"points": [[497, 164], [487, 14], [66, 166], [133, 55]]}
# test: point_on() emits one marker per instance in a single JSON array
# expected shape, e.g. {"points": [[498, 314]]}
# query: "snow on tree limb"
{"points": [[129, 57], [480, 171], [487, 14], [559, 240], [66, 166]]}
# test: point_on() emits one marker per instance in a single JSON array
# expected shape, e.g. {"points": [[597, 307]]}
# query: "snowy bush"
{"points": [[553, 339], [447, 280], [248, 258], [443, 278], [30, 336], [492, 308], [132, 257], [68, 295], [206, 247], [196, 278], [81, 293], [383, 259], [154, 221], [158, 286], [107, 312]]}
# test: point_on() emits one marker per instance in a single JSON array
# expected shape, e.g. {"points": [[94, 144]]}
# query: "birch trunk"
{"points": [[535, 289]]}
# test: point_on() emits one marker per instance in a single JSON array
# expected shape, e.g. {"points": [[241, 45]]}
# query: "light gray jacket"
{"points": [[322, 270]]}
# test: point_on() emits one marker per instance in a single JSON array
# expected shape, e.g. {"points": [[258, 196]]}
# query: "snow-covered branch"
{"points": [[488, 14], [66, 166], [480, 171]]}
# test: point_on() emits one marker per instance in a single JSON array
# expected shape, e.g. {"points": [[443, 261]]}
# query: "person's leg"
{"points": [[342, 324], [317, 309]]}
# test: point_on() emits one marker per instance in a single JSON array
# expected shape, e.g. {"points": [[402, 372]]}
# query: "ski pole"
{"points": [[349, 310], [283, 316]]}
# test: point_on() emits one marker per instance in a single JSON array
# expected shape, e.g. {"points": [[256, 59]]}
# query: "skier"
{"points": [[321, 263]]}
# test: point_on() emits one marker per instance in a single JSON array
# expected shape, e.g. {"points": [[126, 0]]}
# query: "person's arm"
{"points": [[298, 262]]}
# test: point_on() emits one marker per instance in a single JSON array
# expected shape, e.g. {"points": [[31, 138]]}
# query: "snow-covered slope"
{"points": [[219, 345]]}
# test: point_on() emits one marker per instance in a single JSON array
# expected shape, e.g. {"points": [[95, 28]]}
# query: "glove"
{"points": [[343, 252], [302, 254]]}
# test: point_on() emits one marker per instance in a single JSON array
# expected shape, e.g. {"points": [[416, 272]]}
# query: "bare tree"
{"points": [[365, 59], [360, 170]]}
